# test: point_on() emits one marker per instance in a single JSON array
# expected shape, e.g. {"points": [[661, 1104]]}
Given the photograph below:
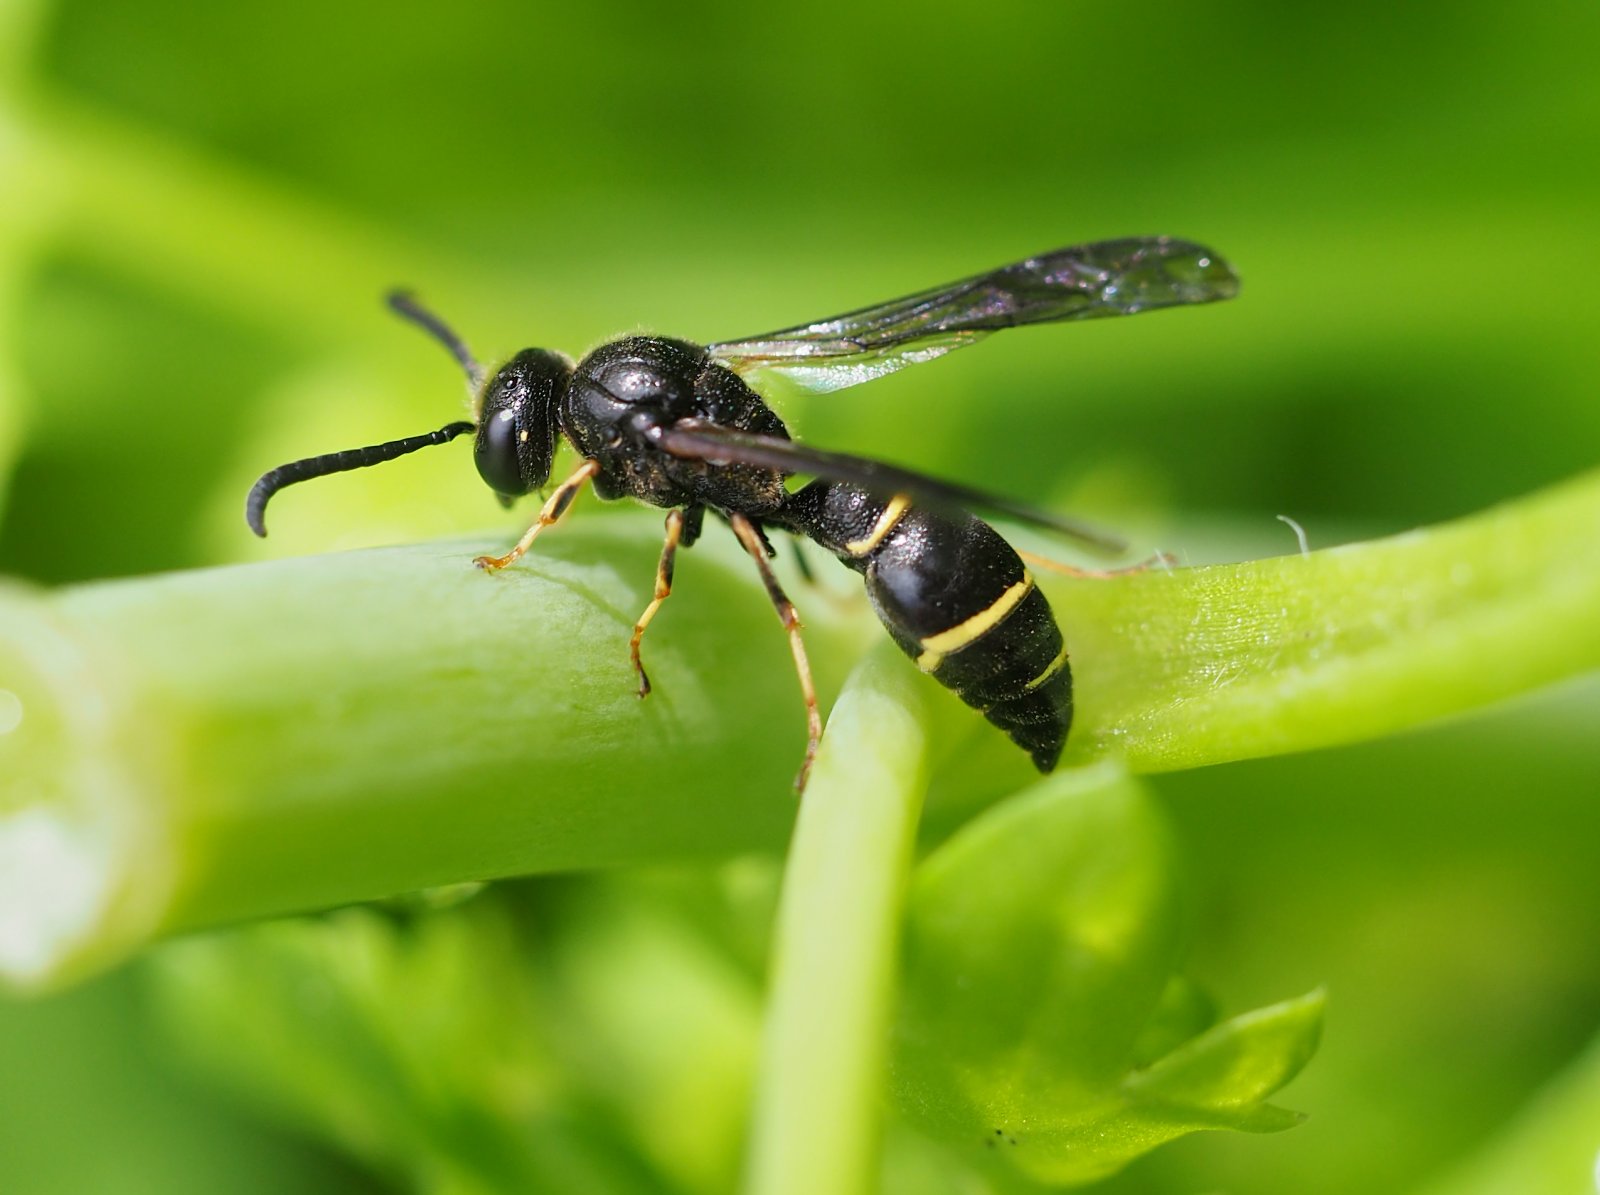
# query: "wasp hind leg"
{"points": [[682, 528], [1161, 560], [802, 563], [549, 515], [755, 544]]}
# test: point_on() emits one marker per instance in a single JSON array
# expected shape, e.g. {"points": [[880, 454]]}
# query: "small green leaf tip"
{"points": [[1041, 947], [1237, 1064]]}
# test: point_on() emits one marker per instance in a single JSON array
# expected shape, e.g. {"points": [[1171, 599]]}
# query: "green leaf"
{"points": [[371, 1035], [419, 1044], [658, 1026], [1048, 922], [1234, 1066], [1184, 1011], [1040, 950]]}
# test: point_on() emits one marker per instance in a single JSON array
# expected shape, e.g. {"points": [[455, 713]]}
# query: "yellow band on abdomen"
{"points": [[898, 505], [936, 647], [1050, 670]]}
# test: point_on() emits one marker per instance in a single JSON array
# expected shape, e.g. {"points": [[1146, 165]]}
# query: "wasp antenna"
{"points": [[255, 506], [405, 304]]}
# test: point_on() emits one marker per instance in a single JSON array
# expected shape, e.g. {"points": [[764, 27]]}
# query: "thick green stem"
{"points": [[191, 749], [817, 1112], [209, 746], [1199, 666]]}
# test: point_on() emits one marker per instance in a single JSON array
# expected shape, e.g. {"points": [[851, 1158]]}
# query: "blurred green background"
{"points": [[200, 206]]}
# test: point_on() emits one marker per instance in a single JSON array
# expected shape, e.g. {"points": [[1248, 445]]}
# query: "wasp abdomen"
{"points": [[958, 600]]}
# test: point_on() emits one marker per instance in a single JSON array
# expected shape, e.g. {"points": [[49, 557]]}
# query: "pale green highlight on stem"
{"points": [[818, 1104]]}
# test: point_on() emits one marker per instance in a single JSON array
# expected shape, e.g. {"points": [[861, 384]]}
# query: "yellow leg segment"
{"points": [[1159, 560], [669, 553], [748, 536], [549, 515]]}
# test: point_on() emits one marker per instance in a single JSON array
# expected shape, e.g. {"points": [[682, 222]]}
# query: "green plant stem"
{"points": [[1198, 666], [817, 1111], [204, 747]]}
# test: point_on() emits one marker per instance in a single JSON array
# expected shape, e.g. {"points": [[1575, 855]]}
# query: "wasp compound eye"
{"points": [[496, 455], [517, 423]]}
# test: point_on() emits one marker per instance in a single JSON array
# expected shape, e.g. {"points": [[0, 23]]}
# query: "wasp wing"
{"points": [[1091, 281], [693, 440]]}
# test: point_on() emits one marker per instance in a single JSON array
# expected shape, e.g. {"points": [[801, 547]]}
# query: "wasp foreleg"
{"points": [[549, 515]]}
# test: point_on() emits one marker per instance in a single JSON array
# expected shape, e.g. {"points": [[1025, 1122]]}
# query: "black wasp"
{"points": [[678, 425]]}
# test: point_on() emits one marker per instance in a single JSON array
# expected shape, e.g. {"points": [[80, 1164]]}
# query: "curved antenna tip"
{"points": [[255, 505], [270, 482]]}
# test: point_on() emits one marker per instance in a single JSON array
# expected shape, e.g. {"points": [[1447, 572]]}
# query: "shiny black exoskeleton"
{"points": [[957, 599], [934, 578], [679, 426], [624, 392]]}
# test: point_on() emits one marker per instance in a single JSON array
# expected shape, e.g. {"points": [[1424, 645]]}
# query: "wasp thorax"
{"points": [[646, 371], [517, 422]]}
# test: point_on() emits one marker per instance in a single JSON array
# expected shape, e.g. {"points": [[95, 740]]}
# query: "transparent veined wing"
{"points": [[1093, 281]]}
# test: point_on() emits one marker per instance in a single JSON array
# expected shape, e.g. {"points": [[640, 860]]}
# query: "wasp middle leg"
{"points": [[757, 547], [682, 527]]}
